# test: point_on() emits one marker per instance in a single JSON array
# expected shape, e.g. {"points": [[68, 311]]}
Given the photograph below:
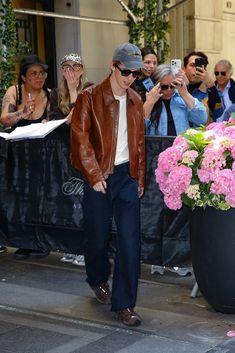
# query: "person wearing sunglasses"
{"points": [[73, 81], [62, 101], [144, 83], [201, 84], [108, 148], [171, 108], [224, 82], [28, 101], [24, 104]]}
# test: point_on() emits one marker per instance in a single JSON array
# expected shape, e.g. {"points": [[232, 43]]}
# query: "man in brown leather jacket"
{"points": [[108, 147]]}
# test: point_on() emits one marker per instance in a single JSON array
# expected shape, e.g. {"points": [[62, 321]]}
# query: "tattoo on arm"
{"points": [[5, 101], [13, 115], [11, 108]]}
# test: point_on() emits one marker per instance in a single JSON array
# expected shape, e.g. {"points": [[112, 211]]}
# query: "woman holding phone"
{"points": [[146, 82], [170, 108]]}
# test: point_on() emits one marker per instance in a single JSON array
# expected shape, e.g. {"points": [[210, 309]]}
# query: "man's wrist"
{"points": [[209, 84]]}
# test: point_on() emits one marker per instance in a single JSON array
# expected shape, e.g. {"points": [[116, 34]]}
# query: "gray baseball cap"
{"points": [[129, 55]]}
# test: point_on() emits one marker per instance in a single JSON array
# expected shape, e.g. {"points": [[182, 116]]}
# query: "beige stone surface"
{"points": [[204, 25]]}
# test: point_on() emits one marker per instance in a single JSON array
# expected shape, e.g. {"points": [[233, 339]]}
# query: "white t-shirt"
{"points": [[122, 150]]}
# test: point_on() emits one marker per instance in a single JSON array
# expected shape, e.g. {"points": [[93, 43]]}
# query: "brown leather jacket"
{"points": [[94, 129]]}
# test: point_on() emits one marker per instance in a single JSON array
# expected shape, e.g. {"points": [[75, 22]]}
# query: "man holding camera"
{"points": [[201, 85]]}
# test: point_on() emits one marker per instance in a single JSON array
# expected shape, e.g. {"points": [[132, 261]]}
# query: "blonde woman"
{"points": [[62, 101], [63, 98]]}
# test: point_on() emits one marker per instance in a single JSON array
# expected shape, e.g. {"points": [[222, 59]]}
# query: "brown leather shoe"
{"points": [[129, 317], [102, 293]]}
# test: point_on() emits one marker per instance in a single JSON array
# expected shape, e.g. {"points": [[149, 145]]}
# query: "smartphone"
{"points": [[148, 84], [200, 62], [176, 65]]}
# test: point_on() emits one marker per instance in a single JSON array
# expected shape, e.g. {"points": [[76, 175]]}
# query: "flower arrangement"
{"points": [[198, 170]]}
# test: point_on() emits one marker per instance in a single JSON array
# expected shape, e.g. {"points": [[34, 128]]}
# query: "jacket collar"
{"points": [[108, 93]]}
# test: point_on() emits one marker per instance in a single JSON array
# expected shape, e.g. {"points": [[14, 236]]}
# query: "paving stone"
{"points": [[47, 307]]}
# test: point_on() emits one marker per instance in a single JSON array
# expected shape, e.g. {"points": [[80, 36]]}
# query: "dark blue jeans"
{"points": [[121, 201]]}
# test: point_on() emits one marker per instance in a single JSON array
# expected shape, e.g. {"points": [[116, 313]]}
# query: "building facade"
{"points": [[205, 25]]}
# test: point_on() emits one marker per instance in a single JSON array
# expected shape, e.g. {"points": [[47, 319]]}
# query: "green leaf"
{"points": [[150, 29], [8, 51]]}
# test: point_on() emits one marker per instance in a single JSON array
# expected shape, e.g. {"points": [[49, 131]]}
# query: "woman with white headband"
{"points": [[62, 101]]}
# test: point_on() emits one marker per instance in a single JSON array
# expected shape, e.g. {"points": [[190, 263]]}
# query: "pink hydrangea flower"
{"points": [[213, 159], [230, 198], [181, 143], [222, 182], [189, 157], [174, 203], [169, 158], [201, 167], [204, 175], [233, 167]]}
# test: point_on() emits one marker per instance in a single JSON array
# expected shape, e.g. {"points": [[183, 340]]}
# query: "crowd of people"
{"points": [[108, 123]]}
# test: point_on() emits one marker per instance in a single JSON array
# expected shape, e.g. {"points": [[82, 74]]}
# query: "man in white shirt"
{"points": [[108, 147]]}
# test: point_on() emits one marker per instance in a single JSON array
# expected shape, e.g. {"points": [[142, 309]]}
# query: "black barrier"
{"points": [[41, 194]]}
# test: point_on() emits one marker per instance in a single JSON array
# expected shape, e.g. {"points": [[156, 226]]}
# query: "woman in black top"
{"points": [[27, 102], [24, 104]]}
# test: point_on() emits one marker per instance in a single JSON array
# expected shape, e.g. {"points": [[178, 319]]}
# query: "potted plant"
{"points": [[199, 172]]}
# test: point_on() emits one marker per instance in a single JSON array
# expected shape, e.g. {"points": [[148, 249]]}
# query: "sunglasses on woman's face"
{"points": [[222, 73], [75, 67], [127, 72], [166, 87]]}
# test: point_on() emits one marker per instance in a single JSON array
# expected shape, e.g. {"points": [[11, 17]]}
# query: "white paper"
{"points": [[37, 130], [4, 135]]}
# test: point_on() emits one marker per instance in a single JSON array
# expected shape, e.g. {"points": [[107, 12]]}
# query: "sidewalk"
{"points": [[47, 307]]}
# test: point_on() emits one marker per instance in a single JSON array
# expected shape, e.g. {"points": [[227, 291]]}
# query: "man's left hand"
{"points": [[140, 191]]}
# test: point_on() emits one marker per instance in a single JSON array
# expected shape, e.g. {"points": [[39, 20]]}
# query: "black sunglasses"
{"points": [[127, 72], [222, 73], [165, 87]]}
